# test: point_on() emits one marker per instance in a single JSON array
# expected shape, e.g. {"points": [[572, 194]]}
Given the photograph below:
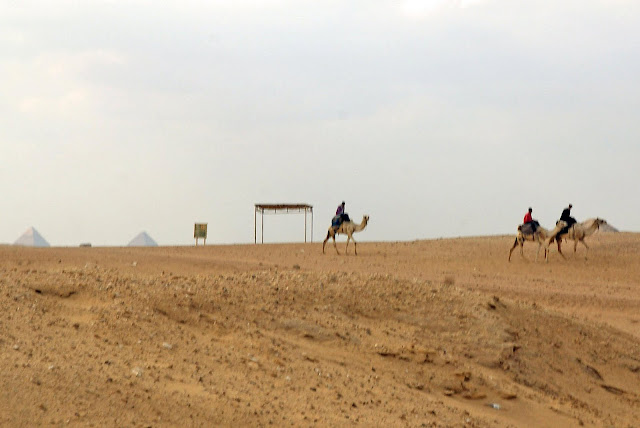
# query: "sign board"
{"points": [[200, 231]]}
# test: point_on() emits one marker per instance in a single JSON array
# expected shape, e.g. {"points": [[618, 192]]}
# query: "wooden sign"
{"points": [[200, 231]]}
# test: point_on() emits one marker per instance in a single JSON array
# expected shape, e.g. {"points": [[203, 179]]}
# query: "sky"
{"points": [[437, 118]]}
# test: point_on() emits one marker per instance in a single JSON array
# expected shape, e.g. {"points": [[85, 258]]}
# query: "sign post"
{"points": [[200, 231]]}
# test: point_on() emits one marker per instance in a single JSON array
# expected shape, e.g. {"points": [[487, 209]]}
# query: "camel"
{"points": [[540, 236], [346, 228], [577, 233]]}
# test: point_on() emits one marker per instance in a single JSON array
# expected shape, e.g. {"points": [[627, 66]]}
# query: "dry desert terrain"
{"points": [[441, 333]]}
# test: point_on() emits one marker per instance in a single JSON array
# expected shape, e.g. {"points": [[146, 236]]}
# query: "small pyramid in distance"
{"points": [[608, 228], [142, 240], [31, 238]]}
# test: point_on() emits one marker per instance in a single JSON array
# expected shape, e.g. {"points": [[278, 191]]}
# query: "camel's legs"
{"points": [[543, 243], [355, 244], [587, 247], [536, 237], [325, 241], [330, 234], [334, 244], [547, 251], [515, 243], [560, 249]]}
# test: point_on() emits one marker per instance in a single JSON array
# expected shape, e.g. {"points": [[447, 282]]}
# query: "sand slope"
{"points": [[425, 333]]}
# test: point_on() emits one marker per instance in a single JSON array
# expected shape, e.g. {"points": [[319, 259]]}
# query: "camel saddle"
{"points": [[337, 220], [527, 228], [570, 222]]}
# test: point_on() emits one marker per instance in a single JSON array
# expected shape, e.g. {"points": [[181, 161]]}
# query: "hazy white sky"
{"points": [[437, 118]]}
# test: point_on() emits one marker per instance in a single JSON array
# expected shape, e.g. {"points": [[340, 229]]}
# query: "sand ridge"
{"points": [[423, 333]]}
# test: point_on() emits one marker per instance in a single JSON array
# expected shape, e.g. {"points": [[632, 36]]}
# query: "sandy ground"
{"points": [[424, 333]]}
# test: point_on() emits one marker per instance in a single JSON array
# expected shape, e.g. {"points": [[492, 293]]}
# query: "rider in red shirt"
{"points": [[529, 220]]}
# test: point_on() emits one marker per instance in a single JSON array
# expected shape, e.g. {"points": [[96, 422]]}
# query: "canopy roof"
{"points": [[281, 209], [262, 207]]}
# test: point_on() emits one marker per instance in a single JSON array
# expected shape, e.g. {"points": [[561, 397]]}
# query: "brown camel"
{"points": [[346, 228], [577, 233], [540, 236]]}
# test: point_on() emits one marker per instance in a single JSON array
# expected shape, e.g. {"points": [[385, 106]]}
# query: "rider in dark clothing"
{"points": [[566, 216]]}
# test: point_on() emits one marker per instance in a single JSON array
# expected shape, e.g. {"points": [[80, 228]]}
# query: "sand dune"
{"points": [[424, 333]]}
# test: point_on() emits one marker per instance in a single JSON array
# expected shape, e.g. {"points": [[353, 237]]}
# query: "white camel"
{"points": [[540, 236], [577, 232], [346, 228]]}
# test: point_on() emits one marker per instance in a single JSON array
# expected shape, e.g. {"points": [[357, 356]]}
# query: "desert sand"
{"points": [[441, 333]]}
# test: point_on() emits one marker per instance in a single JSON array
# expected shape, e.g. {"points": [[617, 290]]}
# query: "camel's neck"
{"points": [[589, 229], [362, 225], [542, 230], [545, 232]]}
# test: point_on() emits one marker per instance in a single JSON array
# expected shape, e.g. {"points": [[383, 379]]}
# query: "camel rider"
{"points": [[342, 213], [341, 216], [566, 216], [533, 224]]}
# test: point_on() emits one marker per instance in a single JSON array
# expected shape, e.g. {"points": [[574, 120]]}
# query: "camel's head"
{"points": [[365, 219], [599, 222], [561, 224]]}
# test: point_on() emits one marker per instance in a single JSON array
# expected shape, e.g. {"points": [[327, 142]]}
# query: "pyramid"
{"points": [[608, 228], [32, 238], [142, 240]]}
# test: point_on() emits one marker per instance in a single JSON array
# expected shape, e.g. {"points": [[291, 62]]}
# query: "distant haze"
{"points": [[437, 118]]}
